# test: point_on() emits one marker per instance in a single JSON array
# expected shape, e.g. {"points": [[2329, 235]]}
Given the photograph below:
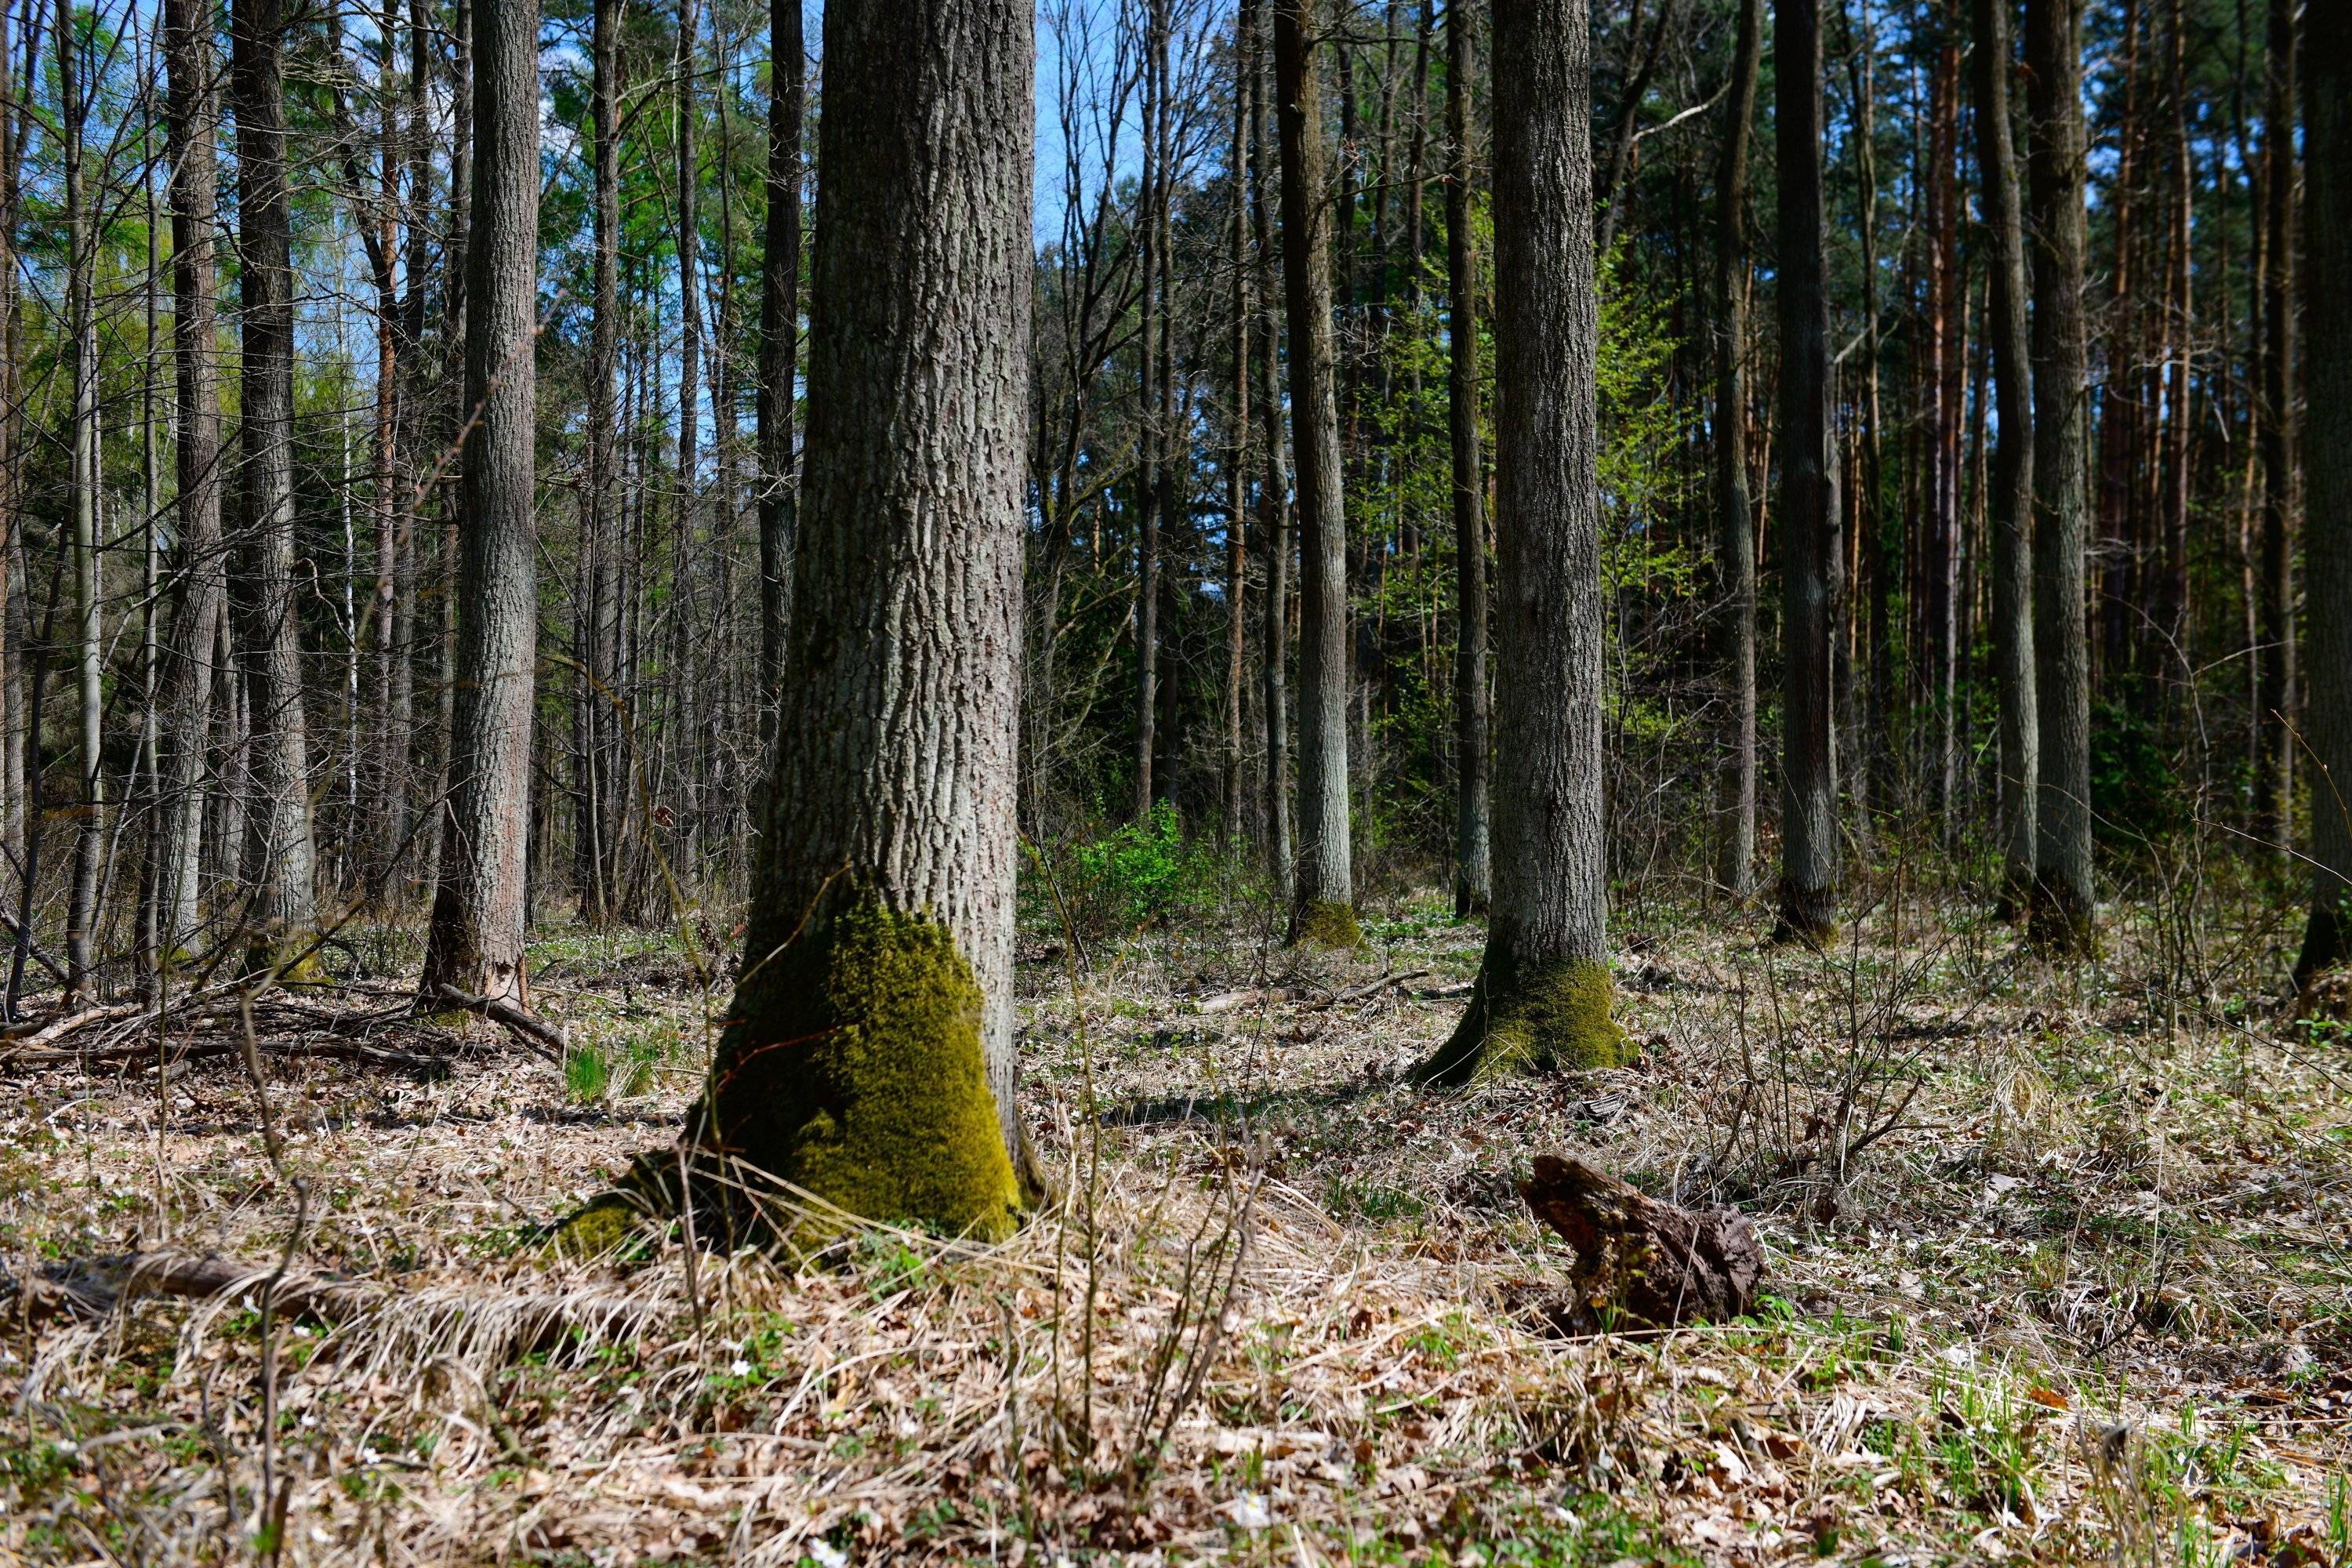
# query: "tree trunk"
{"points": [[201, 590], [2326, 61], [81, 325], [1473, 748], [1808, 512], [1274, 487], [284, 914], [1542, 998], [1237, 453], [2055, 174], [2275, 628], [1323, 894], [780, 329], [1735, 519], [601, 512], [2012, 477], [871, 1057], [476, 941]]}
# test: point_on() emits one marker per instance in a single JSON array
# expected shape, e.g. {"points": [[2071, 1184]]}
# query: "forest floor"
{"points": [[2060, 1270]]}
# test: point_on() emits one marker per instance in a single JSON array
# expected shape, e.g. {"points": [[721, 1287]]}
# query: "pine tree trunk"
{"points": [[1473, 747], [1274, 487], [780, 328], [202, 588], [476, 941], [1542, 999], [2326, 59], [2055, 173], [2275, 626], [1734, 517], [1323, 890], [2012, 478], [1809, 512], [284, 914]]}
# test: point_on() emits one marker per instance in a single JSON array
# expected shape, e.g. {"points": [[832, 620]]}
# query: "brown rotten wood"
{"points": [[1642, 1259]]}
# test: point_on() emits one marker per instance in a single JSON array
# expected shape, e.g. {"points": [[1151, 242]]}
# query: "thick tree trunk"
{"points": [[2056, 170], [2013, 464], [1542, 999], [476, 941], [1274, 486], [201, 597], [2275, 628], [780, 329], [284, 914], [1323, 891], [871, 1054], [1809, 512], [2327, 535], [1734, 517], [1473, 747]]}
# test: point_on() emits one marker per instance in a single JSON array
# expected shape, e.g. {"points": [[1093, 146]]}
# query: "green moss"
{"points": [[599, 1230], [1326, 922], [854, 1068], [1531, 1019]]}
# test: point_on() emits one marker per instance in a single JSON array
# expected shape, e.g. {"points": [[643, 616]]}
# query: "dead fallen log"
{"points": [[1641, 1260], [94, 1287], [143, 1053], [537, 1034]]}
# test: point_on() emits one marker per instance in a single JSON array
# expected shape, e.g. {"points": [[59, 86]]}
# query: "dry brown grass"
{"points": [[2083, 1296]]}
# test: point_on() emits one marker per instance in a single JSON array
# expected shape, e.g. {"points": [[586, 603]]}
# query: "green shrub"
{"points": [[1139, 874]]}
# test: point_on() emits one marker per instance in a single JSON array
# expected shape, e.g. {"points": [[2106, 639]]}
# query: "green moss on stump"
{"points": [[1326, 922], [1525, 1019], [854, 1068], [599, 1228]]}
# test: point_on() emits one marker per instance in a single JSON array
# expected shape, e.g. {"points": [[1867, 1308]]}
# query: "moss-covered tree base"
{"points": [[1326, 922], [1530, 1018], [1805, 915], [853, 1071]]}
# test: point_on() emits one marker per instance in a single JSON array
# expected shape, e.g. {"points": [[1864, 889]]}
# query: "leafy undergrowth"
{"points": [[2059, 1262]]}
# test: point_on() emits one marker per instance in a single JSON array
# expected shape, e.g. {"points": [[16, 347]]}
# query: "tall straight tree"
{"points": [[1735, 519], [2055, 171], [192, 108], [1274, 482], [1473, 847], [476, 941], [1542, 998], [83, 487], [2328, 454], [1237, 455], [284, 915], [601, 793], [1809, 555], [2274, 594], [1323, 888], [2012, 476], [779, 334], [870, 1057]]}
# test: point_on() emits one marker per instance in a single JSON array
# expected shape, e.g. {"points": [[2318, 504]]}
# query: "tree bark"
{"points": [[871, 1054], [1809, 512], [1734, 517], [2275, 628], [600, 791], [780, 329], [283, 915], [1323, 891], [1274, 486], [2013, 464], [1542, 998], [1473, 746], [81, 325], [200, 596], [476, 941], [2326, 61], [1237, 449], [2056, 170]]}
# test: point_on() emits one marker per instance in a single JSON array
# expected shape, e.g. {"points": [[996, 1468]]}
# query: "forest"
{"points": [[1421, 782]]}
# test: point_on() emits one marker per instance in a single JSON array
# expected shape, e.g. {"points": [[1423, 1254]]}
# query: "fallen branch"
{"points": [[1646, 1260], [535, 1033], [141, 1052], [93, 1287]]}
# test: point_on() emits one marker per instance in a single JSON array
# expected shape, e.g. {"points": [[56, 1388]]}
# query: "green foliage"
{"points": [[2136, 791], [1139, 874]]}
